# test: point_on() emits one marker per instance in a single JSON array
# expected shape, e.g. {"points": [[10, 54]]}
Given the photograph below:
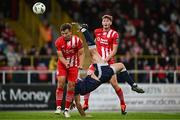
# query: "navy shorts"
{"points": [[86, 85], [104, 72]]}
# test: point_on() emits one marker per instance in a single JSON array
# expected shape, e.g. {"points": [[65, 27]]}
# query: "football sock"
{"points": [[59, 96], [124, 75], [88, 37], [86, 98], [119, 92], [69, 98]]}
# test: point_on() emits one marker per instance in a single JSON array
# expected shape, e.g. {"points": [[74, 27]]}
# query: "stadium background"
{"points": [[149, 47]]}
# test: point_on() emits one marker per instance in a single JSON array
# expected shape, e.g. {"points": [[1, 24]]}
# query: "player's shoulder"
{"points": [[114, 31], [59, 40], [98, 30]]}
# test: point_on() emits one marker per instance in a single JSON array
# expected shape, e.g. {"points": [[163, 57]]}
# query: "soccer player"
{"points": [[70, 57], [102, 73], [107, 41]]}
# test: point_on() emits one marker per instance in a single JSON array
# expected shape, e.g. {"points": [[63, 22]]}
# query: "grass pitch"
{"points": [[49, 115]]}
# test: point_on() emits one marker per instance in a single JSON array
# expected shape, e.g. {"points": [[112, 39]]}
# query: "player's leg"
{"points": [[78, 105], [121, 70], [72, 78], [90, 71], [89, 39], [61, 77], [95, 57], [119, 93], [86, 101]]}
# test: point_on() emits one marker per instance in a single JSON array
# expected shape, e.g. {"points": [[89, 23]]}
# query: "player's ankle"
{"points": [[58, 107], [85, 104], [83, 29], [66, 109]]}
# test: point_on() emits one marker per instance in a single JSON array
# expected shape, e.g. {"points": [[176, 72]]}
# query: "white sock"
{"points": [[83, 29]]}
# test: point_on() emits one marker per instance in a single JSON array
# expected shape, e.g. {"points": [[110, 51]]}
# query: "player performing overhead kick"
{"points": [[102, 74], [107, 42]]}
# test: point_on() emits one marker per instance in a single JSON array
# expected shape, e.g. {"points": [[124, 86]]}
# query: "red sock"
{"points": [[119, 92], [59, 96], [86, 99], [69, 98]]}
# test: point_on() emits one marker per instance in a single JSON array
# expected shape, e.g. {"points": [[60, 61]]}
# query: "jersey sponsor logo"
{"points": [[71, 51], [103, 41]]}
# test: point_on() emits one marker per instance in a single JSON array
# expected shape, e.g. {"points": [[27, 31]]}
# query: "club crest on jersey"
{"points": [[68, 43], [98, 38]]}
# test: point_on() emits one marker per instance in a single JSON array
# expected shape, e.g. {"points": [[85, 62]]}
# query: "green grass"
{"points": [[49, 115]]}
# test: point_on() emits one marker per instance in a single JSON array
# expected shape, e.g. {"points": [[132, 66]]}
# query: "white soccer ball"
{"points": [[39, 8]]}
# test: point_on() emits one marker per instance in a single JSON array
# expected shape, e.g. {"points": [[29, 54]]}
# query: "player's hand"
{"points": [[67, 65]]}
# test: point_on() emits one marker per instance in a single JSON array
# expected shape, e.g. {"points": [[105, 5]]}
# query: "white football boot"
{"points": [[58, 110]]}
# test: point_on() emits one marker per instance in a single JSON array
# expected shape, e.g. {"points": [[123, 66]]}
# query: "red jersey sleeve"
{"points": [[116, 38], [58, 44], [97, 31]]}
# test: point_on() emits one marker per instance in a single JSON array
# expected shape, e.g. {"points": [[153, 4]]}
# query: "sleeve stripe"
{"points": [[109, 34], [113, 33]]}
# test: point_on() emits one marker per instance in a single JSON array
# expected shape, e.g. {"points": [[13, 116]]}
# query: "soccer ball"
{"points": [[39, 8]]}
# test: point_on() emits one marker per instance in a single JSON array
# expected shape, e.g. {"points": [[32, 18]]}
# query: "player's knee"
{"points": [[115, 85], [71, 85], [114, 82], [121, 65], [77, 103], [60, 84]]}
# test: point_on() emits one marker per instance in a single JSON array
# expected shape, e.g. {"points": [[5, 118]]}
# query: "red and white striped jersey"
{"points": [[69, 49], [105, 41]]}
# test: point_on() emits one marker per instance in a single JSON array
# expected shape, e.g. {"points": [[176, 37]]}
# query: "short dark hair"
{"points": [[65, 26], [107, 16]]}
